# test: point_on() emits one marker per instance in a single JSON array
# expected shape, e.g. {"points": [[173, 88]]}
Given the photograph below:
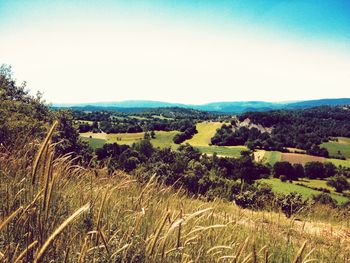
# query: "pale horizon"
{"points": [[188, 52]]}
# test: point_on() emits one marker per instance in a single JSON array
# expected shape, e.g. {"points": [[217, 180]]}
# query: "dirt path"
{"points": [[318, 229]]}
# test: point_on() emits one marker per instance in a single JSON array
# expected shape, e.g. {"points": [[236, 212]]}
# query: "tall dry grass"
{"points": [[54, 211]]}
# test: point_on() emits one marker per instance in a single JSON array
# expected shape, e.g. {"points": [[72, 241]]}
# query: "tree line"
{"points": [[303, 129]]}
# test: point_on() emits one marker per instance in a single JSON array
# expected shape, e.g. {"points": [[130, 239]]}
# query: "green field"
{"points": [[316, 183], [284, 188], [94, 143], [272, 157], [206, 131], [228, 151], [120, 138], [337, 162], [165, 139], [341, 146]]}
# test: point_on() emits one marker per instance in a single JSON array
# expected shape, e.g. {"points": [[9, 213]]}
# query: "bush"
{"points": [[325, 199], [283, 178], [291, 203]]}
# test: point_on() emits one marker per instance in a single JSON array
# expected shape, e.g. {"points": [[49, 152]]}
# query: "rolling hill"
{"points": [[220, 107]]}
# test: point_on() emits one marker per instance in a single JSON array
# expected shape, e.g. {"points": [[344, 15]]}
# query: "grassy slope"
{"points": [[285, 187], [148, 222], [201, 140]]}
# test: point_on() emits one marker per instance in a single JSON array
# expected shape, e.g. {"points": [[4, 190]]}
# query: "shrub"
{"points": [[325, 199], [291, 203], [283, 178]]}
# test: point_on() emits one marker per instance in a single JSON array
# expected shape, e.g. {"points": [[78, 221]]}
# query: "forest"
{"points": [[302, 129]]}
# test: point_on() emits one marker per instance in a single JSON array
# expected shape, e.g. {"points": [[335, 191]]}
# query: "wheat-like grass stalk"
{"points": [[13, 215], [299, 256], [43, 147], [119, 250], [58, 231], [156, 236], [24, 252]]}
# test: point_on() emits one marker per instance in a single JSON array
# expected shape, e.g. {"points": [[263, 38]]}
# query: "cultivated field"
{"points": [[300, 158]]}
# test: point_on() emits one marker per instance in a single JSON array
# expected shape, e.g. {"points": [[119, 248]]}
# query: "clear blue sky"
{"points": [[178, 51]]}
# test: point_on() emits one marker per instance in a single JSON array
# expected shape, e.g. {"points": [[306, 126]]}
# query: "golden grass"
{"points": [[129, 222]]}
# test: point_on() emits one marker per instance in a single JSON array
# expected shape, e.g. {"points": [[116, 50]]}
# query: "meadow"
{"points": [[94, 143], [97, 140], [272, 157], [206, 130], [114, 218], [339, 147], [227, 151], [164, 139], [120, 138], [286, 187]]}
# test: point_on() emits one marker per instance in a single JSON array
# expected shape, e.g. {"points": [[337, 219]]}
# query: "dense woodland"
{"points": [[303, 129]]}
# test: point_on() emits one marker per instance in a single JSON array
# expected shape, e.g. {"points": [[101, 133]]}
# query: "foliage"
{"points": [[325, 199], [85, 215], [302, 129], [68, 140], [339, 182], [292, 203], [22, 116], [187, 133], [314, 170]]}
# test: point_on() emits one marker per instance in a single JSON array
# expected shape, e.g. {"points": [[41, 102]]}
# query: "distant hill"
{"points": [[315, 103], [234, 107]]}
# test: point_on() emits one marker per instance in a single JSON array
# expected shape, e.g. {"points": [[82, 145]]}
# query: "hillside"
{"points": [[142, 196], [117, 219]]}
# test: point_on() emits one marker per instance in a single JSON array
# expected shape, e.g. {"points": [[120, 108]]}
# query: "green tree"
{"points": [[330, 169], [23, 117], [67, 138], [144, 147], [315, 170], [283, 168]]}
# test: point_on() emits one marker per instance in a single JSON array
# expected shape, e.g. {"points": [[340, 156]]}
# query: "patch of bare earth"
{"points": [[301, 158]]}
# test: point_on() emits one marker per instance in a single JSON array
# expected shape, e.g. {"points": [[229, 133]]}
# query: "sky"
{"points": [[185, 51]]}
